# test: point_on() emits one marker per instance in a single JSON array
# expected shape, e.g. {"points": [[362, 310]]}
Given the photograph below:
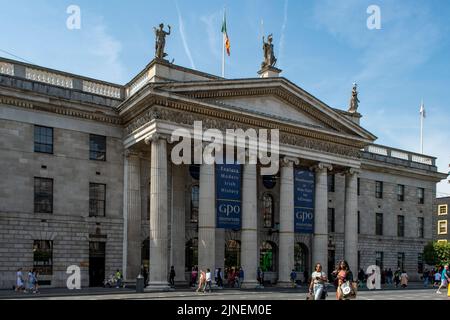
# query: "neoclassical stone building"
{"points": [[87, 180]]}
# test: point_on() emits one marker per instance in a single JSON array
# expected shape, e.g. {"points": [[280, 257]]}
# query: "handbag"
{"points": [[346, 289]]}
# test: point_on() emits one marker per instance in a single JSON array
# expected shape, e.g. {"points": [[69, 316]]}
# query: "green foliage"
{"points": [[437, 253]]}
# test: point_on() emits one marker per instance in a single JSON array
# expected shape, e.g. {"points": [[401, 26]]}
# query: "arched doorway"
{"points": [[232, 254], [191, 254], [301, 258]]}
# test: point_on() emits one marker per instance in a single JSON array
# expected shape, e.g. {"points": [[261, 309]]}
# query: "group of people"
{"points": [[202, 278], [387, 277], [441, 277], [342, 279], [29, 284]]}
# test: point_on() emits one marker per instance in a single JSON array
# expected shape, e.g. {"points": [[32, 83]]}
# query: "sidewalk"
{"points": [[64, 292]]}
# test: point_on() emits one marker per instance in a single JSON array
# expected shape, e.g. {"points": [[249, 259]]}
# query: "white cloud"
{"points": [[213, 23], [183, 37], [283, 31]]}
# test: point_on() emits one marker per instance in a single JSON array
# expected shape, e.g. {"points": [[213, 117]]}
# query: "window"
{"points": [[400, 226], [330, 182], [379, 259], [191, 253], [442, 209], [421, 227], [195, 191], [442, 241], [442, 227], [379, 224], [359, 223], [420, 262], [97, 199], [301, 256], [232, 254], [43, 256], [97, 147], [268, 211], [401, 260], [379, 189], [331, 220], [43, 195], [358, 188], [400, 192], [421, 195], [43, 139]]}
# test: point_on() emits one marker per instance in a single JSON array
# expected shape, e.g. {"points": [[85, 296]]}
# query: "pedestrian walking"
{"points": [[437, 278], [344, 281], [389, 275], [220, 278], [260, 278], [426, 278], [201, 281], [119, 278], [194, 273], [172, 276], [30, 281], [208, 281], [404, 279], [241, 276], [317, 284], [444, 279], [293, 277], [20, 285], [397, 275]]}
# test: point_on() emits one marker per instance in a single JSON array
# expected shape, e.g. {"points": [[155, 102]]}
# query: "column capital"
{"points": [[352, 171], [155, 137], [321, 166], [289, 161], [132, 153]]}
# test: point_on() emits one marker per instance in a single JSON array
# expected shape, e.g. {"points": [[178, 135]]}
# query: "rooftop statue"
{"points": [[354, 101], [161, 41], [269, 55]]}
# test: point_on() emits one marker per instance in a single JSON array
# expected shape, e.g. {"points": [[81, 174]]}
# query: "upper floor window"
{"points": [[43, 139], [194, 203], [442, 209], [400, 192], [97, 199], [331, 220], [421, 195], [97, 147], [401, 226], [379, 189], [331, 183], [442, 227], [268, 210], [43, 195], [379, 224]]}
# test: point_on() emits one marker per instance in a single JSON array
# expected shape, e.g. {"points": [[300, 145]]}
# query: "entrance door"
{"points": [[331, 262], [96, 264]]}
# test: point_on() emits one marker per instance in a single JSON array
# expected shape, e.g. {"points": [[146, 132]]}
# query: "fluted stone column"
{"points": [[320, 239], [249, 231], [351, 220], [178, 231], [132, 216], [286, 235], [158, 278], [207, 218]]}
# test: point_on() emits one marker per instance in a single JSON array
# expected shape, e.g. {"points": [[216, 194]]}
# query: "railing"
{"points": [[138, 84], [400, 154], [48, 77], [7, 68], [101, 89], [60, 79]]}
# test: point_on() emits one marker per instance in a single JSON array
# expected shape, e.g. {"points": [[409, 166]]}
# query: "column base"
{"points": [[250, 284], [284, 284], [158, 286]]}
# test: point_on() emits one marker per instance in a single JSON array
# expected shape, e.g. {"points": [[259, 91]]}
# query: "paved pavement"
{"points": [[414, 292]]}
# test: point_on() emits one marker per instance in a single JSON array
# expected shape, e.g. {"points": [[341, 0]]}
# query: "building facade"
{"points": [[440, 220], [88, 180]]}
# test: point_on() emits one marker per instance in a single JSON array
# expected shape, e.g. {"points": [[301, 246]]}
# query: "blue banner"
{"points": [[228, 196], [304, 201]]}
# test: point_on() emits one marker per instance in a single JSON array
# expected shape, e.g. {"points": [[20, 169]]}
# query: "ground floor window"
{"points": [[301, 255], [191, 254], [267, 257], [232, 254], [43, 256]]}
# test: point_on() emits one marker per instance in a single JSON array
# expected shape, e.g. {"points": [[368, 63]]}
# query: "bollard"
{"points": [[140, 284]]}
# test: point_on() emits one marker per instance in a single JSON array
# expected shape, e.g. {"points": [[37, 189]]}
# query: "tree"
{"points": [[437, 253]]}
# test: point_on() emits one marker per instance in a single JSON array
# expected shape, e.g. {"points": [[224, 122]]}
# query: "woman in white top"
{"points": [[19, 281], [318, 279]]}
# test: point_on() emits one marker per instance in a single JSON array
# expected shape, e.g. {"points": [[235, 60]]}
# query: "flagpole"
{"points": [[223, 48]]}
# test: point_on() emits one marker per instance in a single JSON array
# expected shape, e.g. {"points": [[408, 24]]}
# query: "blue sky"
{"points": [[322, 45]]}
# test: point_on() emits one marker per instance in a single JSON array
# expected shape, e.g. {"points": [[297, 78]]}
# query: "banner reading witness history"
{"points": [[303, 201], [228, 195]]}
